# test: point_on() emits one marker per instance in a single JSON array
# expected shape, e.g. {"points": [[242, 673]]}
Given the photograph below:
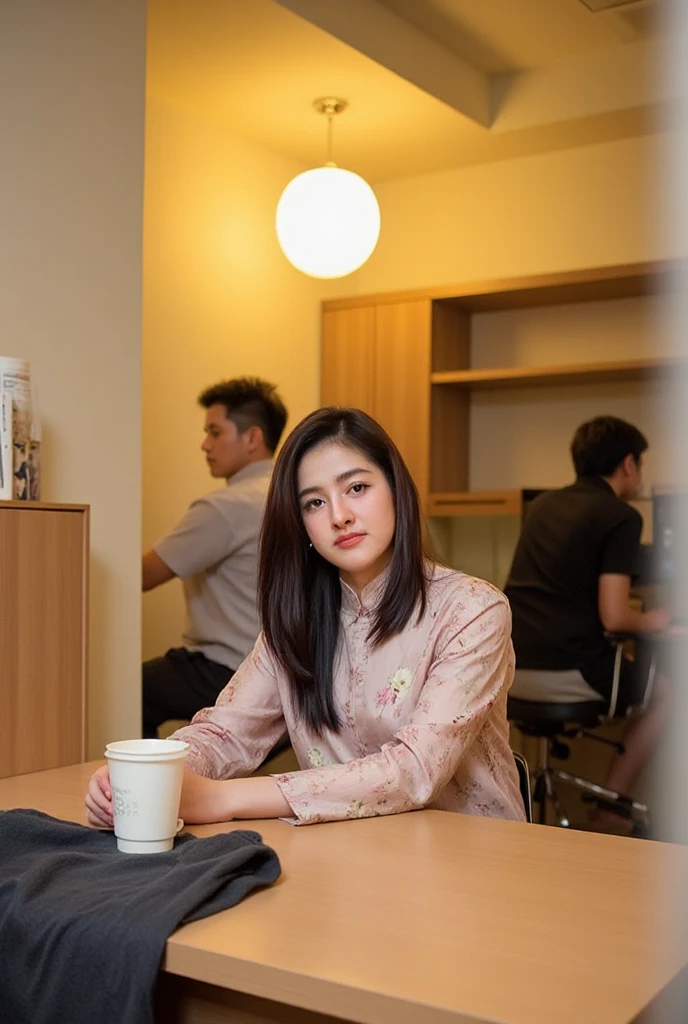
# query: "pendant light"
{"points": [[328, 219]]}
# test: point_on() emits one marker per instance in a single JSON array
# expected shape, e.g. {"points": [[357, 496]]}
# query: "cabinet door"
{"points": [[347, 353], [402, 382], [43, 592]]}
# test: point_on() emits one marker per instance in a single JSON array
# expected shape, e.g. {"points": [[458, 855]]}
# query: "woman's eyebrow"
{"points": [[349, 473], [338, 479]]}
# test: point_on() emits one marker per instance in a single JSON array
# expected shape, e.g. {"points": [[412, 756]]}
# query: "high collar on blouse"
{"points": [[353, 605]]}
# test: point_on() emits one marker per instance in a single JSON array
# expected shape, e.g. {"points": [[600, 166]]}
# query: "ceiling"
{"points": [[431, 84], [501, 36]]}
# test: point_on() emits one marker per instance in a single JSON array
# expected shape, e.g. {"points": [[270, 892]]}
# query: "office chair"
{"points": [[556, 724], [524, 784]]}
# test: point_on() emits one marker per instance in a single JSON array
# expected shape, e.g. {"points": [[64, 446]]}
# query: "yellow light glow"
{"points": [[328, 222]]}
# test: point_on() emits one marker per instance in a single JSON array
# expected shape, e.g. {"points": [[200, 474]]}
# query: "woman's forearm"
{"points": [[258, 798], [207, 800]]}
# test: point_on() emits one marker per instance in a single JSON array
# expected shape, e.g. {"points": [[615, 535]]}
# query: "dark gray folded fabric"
{"points": [[83, 927]]}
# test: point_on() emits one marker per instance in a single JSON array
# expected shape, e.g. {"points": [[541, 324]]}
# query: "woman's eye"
{"points": [[359, 488], [313, 503]]}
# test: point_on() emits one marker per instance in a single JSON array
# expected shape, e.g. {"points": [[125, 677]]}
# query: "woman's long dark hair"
{"points": [[300, 592]]}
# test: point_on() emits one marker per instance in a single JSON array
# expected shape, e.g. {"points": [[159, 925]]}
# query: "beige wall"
{"points": [[220, 300], [71, 180], [577, 208]]}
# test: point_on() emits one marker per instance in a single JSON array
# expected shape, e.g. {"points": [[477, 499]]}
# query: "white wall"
{"points": [[220, 300], [71, 181], [584, 207]]}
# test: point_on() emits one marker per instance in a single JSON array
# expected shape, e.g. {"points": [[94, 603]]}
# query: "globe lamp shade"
{"points": [[328, 222]]}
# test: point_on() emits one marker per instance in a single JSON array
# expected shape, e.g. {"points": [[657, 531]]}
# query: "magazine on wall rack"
{"points": [[19, 433]]}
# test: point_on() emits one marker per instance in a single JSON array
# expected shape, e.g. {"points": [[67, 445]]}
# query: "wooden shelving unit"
{"points": [[405, 358], [481, 503], [535, 376], [476, 503], [588, 284]]}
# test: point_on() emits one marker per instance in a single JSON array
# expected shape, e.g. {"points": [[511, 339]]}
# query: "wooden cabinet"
{"points": [[377, 358], [43, 635], [406, 359], [402, 391], [348, 358]]}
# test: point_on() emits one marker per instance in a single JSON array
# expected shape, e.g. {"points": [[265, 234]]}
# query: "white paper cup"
{"points": [[146, 782]]}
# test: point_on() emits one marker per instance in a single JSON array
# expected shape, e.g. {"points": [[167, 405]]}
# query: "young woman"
{"points": [[388, 672]]}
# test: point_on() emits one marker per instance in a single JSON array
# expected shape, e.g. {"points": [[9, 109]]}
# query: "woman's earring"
{"points": [[310, 544]]}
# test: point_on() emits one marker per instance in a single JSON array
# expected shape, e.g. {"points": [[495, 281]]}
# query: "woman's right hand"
{"points": [[99, 799]]}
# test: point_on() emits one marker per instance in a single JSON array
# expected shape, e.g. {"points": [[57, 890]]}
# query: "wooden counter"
{"points": [[423, 918]]}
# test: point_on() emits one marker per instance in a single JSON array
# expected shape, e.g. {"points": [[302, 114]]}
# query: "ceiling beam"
{"points": [[395, 44], [595, 84]]}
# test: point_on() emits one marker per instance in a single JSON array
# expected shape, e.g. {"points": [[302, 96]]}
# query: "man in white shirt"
{"points": [[214, 551]]}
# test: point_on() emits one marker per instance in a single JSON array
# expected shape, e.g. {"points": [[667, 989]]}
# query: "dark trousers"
{"points": [[178, 685]]}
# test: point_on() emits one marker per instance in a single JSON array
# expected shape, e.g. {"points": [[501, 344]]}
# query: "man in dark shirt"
{"points": [[570, 582]]}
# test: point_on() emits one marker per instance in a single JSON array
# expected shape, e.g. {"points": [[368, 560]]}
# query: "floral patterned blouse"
{"points": [[423, 715]]}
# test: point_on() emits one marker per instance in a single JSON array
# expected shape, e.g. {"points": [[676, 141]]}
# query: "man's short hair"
{"points": [[250, 402], [600, 445]]}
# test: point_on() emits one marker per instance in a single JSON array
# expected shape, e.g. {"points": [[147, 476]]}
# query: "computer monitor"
{"points": [[669, 548], [669, 525]]}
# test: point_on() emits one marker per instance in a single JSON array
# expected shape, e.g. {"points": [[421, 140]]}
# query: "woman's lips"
{"points": [[350, 540]]}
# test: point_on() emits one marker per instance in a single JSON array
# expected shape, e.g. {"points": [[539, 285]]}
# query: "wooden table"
{"points": [[423, 918]]}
